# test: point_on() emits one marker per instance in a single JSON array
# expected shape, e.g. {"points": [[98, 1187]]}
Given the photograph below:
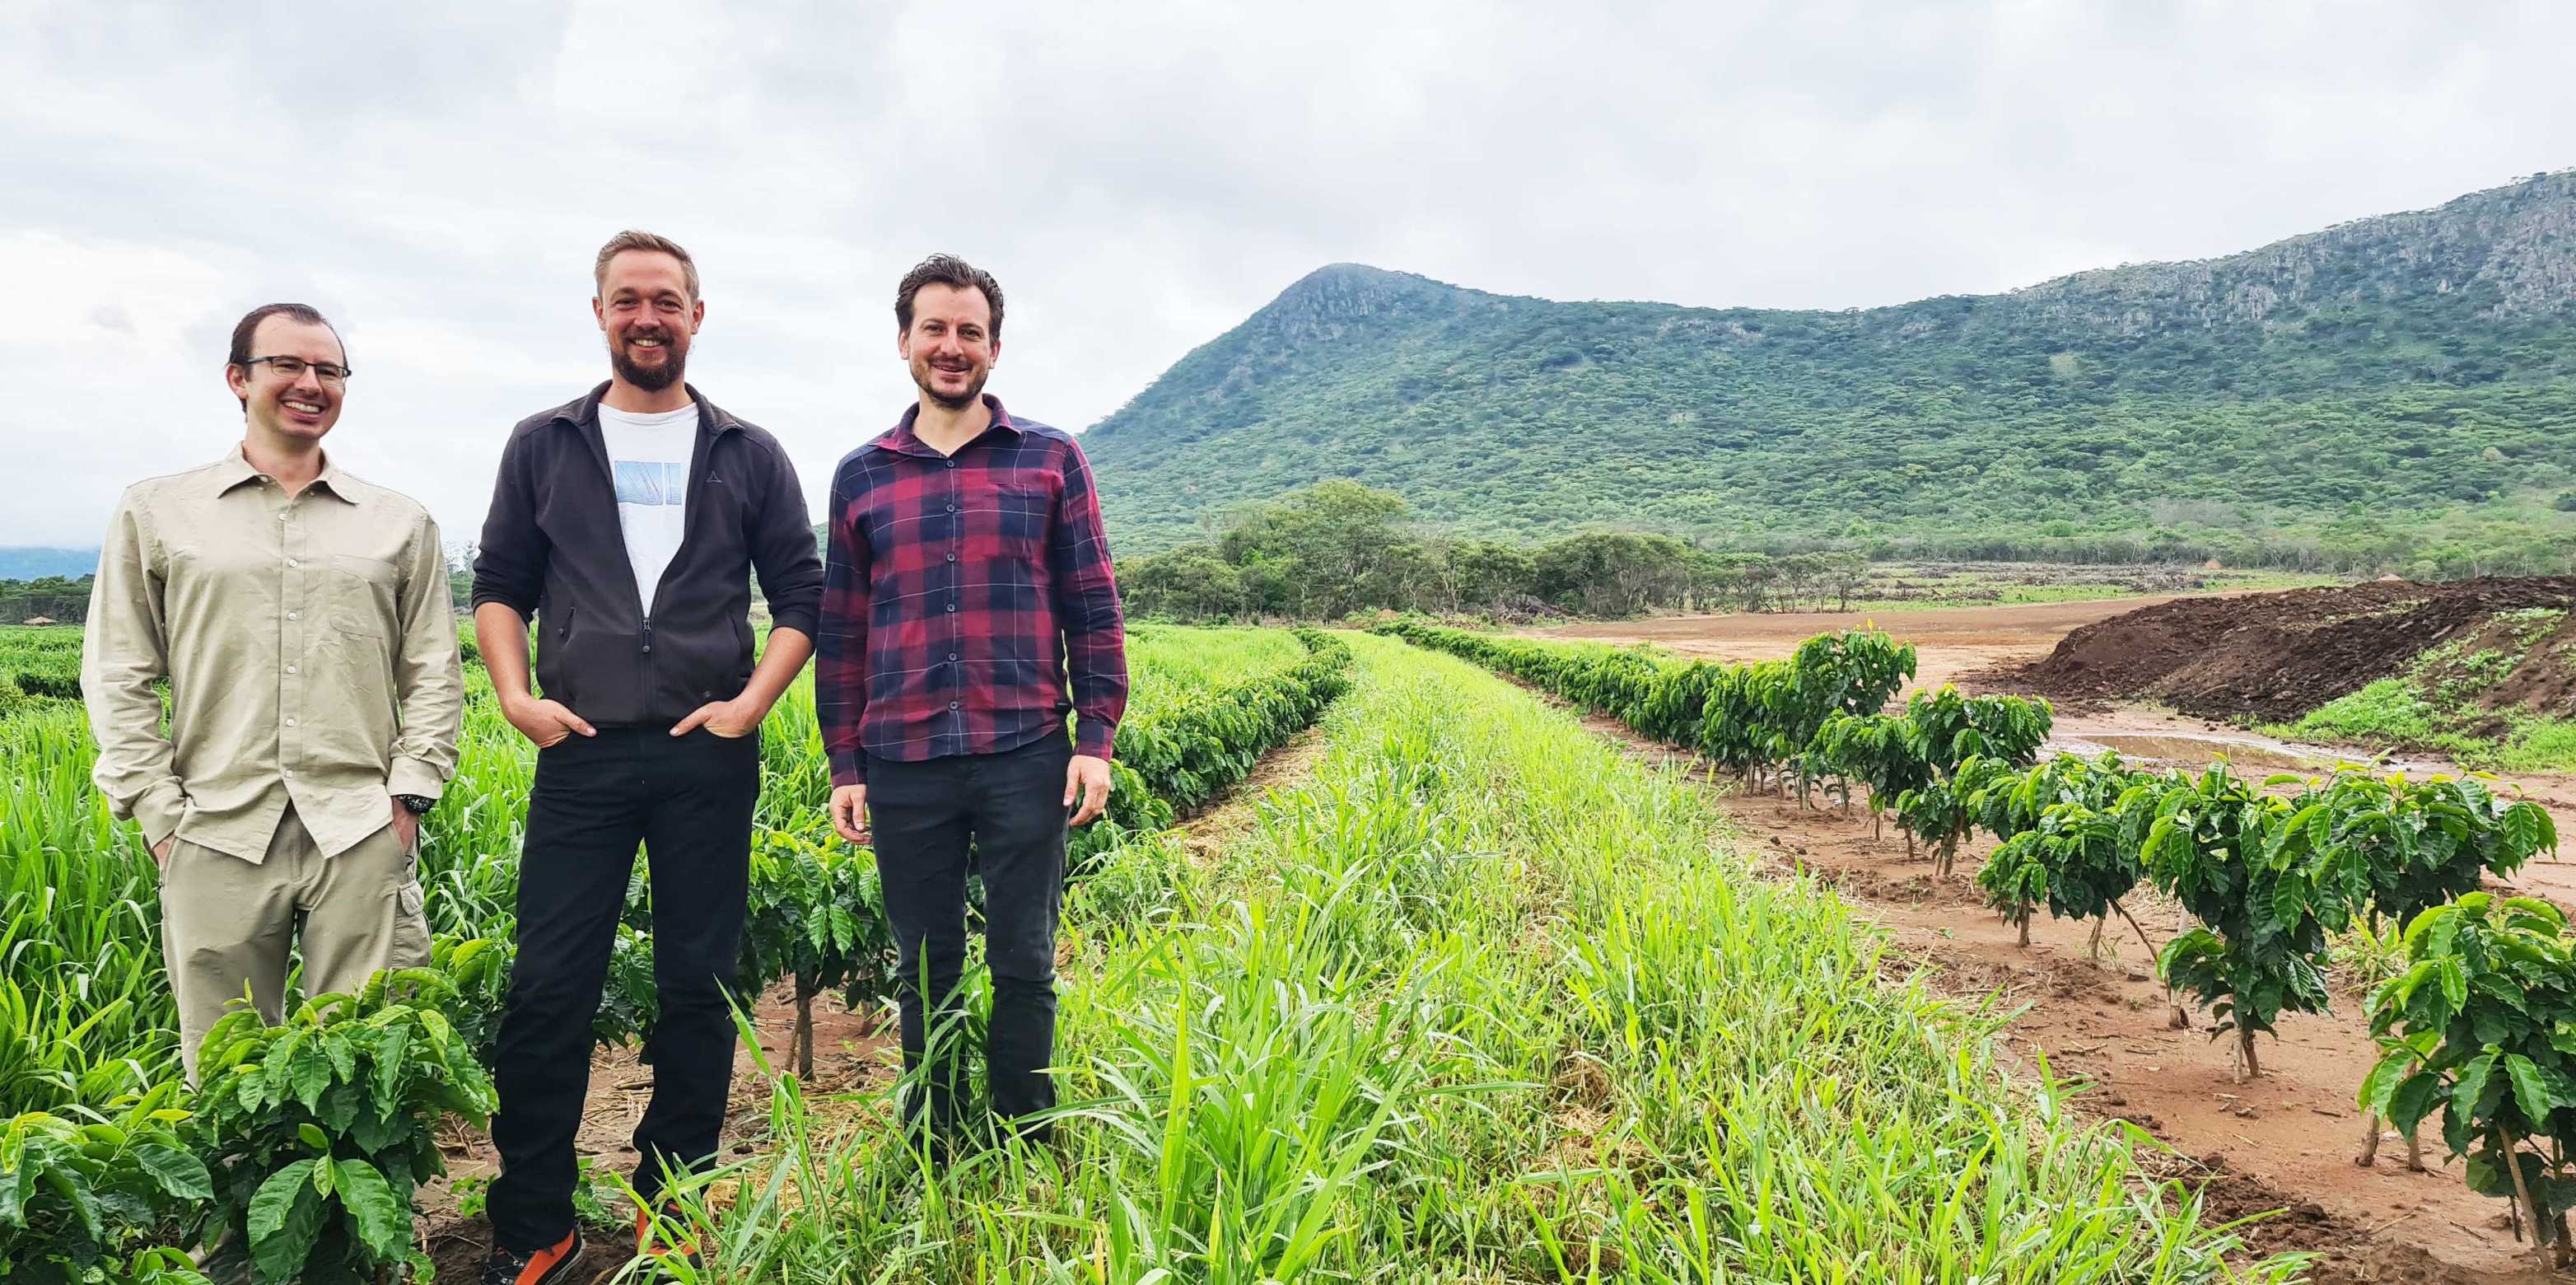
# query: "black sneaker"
{"points": [[552, 1266]]}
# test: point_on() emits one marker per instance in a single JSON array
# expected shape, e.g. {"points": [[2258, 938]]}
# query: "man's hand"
{"points": [[729, 719], [1087, 777], [545, 722], [850, 813], [161, 850], [406, 825]]}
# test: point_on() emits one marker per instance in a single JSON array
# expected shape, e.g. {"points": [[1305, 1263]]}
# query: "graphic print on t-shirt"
{"points": [[651, 483]]}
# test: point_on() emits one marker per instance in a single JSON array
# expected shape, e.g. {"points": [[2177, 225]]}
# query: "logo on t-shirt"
{"points": [[651, 483]]}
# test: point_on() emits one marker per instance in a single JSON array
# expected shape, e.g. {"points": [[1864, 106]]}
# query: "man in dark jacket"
{"points": [[629, 523], [969, 607]]}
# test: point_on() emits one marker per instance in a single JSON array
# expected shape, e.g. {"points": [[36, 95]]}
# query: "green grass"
{"points": [[1483, 1001], [2434, 706]]}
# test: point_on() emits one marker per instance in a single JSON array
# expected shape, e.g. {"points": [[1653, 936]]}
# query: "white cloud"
{"points": [[1140, 177]]}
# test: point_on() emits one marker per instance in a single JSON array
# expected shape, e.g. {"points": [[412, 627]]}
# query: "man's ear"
{"points": [[697, 314], [599, 313], [237, 378], [903, 343]]}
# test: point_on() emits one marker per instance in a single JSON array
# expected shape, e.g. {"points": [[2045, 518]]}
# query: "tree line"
{"points": [[1340, 547]]}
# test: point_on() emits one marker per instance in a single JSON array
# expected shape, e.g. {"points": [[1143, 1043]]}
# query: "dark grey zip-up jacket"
{"points": [[553, 548]]}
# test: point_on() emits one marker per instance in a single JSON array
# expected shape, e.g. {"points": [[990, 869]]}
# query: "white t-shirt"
{"points": [[648, 456]]}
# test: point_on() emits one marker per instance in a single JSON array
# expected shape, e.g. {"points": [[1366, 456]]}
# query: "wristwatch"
{"points": [[416, 804]]}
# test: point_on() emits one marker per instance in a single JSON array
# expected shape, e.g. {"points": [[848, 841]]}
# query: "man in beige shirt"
{"points": [[301, 618]]}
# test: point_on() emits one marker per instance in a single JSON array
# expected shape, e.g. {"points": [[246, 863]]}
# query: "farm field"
{"points": [[1298, 1031], [2284, 1140], [1314, 1055], [103, 1160]]}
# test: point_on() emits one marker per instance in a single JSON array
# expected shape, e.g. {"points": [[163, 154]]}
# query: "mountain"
{"points": [[2378, 385], [31, 562]]}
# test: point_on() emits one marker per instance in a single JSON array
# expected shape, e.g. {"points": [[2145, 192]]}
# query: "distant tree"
{"points": [[1189, 583]]}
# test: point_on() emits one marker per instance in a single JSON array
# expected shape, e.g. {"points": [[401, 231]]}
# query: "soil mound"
{"points": [[2276, 655]]}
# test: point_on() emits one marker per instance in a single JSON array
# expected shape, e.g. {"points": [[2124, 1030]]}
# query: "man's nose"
{"points": [[307, 379]]}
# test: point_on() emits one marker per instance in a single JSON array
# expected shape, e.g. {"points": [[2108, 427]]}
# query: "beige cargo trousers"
{"points": [[227, 924]]}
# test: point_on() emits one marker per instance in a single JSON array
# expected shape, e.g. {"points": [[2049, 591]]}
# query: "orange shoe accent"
{"points": [[644, 1246], [549, 1266]]}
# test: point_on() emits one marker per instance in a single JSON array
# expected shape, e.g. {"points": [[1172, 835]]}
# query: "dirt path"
{"points": [[2287, 1140]]}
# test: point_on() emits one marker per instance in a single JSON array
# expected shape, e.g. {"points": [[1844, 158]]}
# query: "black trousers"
{"points": [[689, 801], [1008, 811]]}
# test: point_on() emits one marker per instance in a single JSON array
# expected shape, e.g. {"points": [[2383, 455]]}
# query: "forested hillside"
{"points": [[2393, 392]]}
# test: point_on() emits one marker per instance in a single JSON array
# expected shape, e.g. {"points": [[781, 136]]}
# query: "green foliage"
{"points": [[2064, 846], [319, 1130], [1872, 750], [2227, 852], [2481, 1027], [477, 975], [1965, 743], [88, 1199], [1749, 717], [1200, 741], [41, 661], [1335, 548], [2452, 698], [816, 914], [2367, 398], [2270, 877]]}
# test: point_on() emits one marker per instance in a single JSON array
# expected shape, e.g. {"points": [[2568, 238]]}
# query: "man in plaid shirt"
{"points": [[966, 586]]}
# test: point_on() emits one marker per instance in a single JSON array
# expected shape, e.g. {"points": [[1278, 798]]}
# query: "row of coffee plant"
{"points": [[2481, 1025]]}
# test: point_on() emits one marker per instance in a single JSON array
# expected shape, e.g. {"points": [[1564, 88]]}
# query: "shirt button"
{"points": [[281, 517], [291, 616], [952, 655], [952, 704], [288, 773], [950, 463], [293, 563], [952, 606], [952, 557], [290, 669], [290, 722]]}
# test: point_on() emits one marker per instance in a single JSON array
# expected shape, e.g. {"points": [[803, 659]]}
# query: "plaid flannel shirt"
{"points": [[960, 593]]}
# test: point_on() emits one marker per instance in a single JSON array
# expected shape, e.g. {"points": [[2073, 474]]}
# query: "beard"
{"points": [[652, 379], [921, 377]]}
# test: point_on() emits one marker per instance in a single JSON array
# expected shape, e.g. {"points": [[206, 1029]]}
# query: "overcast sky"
{"points": [[437, 178]]}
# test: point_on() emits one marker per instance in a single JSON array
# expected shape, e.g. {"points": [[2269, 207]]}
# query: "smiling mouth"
{"points": [[303, 407], [649, 343]]}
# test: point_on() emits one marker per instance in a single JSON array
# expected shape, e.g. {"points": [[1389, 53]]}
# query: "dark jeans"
{"points": [[688, 800], [1009, 809]]}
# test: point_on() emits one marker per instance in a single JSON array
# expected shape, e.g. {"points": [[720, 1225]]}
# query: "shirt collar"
{"points": [[235, 468], [901, 438]]}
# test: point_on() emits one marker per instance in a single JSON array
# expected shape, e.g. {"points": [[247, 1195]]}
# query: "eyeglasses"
{"points": [[293, 368]]}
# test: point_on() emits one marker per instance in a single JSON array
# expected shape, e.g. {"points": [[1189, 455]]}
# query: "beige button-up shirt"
{"points": [[310, 649]]}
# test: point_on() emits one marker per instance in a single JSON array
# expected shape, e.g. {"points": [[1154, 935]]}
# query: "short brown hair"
{"points": [[951, 271], [630, 239], [248, 328]]}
